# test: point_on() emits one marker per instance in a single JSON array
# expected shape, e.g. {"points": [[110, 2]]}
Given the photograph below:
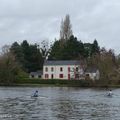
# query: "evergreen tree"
{"points": [[88, 50], [95, 47], [26, 53], [55, 51], [73, 49], [16, 49], [35, 59], [29, 56]]}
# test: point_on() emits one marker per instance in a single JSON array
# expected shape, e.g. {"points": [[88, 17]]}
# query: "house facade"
{"points": [[63, 69], [92, 73], [37, 74]]}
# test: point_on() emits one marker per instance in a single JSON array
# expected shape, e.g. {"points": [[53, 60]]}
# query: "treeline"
{"points": [[68, 47], [10, 70], [18, 60], [73, 49], [22, 58], [31, 56], [28, 56]]}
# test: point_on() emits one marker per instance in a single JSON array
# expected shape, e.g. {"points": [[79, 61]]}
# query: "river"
{"points": [[58, 103]]}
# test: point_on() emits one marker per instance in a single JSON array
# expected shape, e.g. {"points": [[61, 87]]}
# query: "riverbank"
{"points": [[56, 85], [54, 82], [65, 83], [27, 82]]}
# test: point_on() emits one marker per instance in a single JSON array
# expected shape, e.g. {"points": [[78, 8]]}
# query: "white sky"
{"points": [[36, 20]]}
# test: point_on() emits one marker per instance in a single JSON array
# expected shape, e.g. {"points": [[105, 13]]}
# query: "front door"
{"points": [[68, 76]]}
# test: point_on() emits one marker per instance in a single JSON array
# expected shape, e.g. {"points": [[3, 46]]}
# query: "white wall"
{"points": [[97, 75], [57, 71], [35, 76], [94, 76]]}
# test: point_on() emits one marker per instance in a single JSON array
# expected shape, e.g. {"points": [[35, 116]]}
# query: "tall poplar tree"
{"points": [[66, 29]]}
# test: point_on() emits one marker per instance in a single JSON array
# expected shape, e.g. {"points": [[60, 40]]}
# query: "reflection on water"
{"points": [[58, 103]]}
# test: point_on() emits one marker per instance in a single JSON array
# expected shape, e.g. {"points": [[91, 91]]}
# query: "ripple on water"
{"points": [[60, 104]]}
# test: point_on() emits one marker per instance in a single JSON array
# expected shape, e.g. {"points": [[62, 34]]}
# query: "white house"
{"points": [[92, 73], [62, 69], [37, 74]]}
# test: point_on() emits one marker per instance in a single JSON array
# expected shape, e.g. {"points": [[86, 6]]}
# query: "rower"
{"points": [[35, 94], [110, 93]]}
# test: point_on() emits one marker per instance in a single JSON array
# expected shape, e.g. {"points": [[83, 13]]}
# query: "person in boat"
{"points": [[35, 94], [110, 93]]}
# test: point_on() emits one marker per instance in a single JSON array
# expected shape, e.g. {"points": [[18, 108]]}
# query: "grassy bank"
{"points": [[64, 83], [54, 82]]}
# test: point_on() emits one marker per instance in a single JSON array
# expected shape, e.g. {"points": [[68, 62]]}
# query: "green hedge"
{"points": [[56, 82], [71, 83]]}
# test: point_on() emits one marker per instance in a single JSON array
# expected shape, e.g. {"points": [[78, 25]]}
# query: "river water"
{"points": [[58, 103]]}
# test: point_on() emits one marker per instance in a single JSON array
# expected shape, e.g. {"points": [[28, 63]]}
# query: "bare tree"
{"points": [[9, 68], [66, 29], [44, 49], [106, 63], [5, 50]]}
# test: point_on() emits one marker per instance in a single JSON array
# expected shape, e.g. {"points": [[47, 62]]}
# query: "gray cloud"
{"points": [[37, 20]]}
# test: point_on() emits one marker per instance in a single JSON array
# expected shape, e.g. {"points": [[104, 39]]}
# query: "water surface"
{"points": [[58, 103]]}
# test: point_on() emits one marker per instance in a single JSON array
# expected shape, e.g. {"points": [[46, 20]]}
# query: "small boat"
{"points": [[35, 94], [109, 95]]}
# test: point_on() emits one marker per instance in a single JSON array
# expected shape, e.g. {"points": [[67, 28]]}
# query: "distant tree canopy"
{"points": [[29, 56], [68, 47], [106, 62], [10, 70], [72, 49]]}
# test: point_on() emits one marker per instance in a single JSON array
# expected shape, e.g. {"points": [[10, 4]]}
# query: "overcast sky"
{"points": [[36, 20]]}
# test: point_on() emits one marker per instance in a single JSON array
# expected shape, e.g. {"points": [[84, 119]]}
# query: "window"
{"points": [[46, 69], [52, 76], [68, 69], [77, 69], [61, 69], [60, 75], [32, 76], [46, 76], [52, 69], [87, 75], [39, 76]]}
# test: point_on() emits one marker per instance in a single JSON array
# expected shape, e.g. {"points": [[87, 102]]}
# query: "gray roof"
{"points": [[62, 62], [36, 73], [91, 70]]}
